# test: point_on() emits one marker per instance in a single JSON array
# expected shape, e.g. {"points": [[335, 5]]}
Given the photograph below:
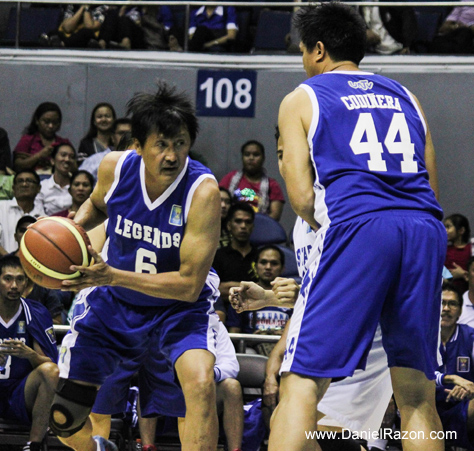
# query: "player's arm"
{"points": [[19, 349], [94, 210], [430, 156], [196, 254], [294, 120]]}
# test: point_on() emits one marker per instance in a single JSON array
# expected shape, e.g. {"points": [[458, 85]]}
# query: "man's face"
{"points": [[12, 284], [120, 130], [165, 157], [269, 266], [26, 187], [240, 226], [20, 231], [451, 310], [252, 159]]}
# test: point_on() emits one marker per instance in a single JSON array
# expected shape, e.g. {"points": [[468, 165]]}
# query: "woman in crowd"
{"points": [[34, 149], [226, 202], [459, 249], [99, 136], [54, 194], [80, 188]]}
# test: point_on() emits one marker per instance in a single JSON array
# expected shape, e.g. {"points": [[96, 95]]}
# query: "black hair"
{"points": [[241, 206], [339, 27], [165, 112], [449, 286], [56, 148], [274, 248], [225, 190], [27, 219], [9, 261], [125, 142], [459, 221], [28, 171], [86, 173], [92, 133], [255, 143], [42, 108], [121, 121]]}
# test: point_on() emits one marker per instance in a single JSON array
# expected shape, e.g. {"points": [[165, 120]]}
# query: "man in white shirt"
{"points": [[26, 186], [467, 315]]}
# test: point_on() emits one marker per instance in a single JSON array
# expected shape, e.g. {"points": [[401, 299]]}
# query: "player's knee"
{"points": [[49, 373], [232, 388], [72, 405]]}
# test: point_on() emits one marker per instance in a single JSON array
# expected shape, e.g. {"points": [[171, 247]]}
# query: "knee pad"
{"points": [[75, 402]]}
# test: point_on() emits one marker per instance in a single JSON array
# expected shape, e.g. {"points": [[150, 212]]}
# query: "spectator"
{"points": [[99, 136], [455, 377], [80, 26], [80, 189], [120, 30], [121, 127], [467, 315], [251, 184], [456, 32], [226, 202], [235, 262], [459, 249], [268, 320], [212, 29], [26, 186], [5, 152], [34, 149], [27, 353], [54, 195]]}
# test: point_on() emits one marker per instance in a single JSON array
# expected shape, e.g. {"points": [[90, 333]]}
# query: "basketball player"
{"points": [[358, 161], [163, 213]]}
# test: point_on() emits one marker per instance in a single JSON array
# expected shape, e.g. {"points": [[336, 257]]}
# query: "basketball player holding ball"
{"points": [[163, 213]]}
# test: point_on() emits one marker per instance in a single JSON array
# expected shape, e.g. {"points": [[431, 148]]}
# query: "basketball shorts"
{"points": [[381, 267], [359, 402], [13, 404], [107, 331]]}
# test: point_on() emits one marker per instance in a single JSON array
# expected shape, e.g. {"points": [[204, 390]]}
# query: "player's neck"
{"points": [[342, 66], [8, 309]]}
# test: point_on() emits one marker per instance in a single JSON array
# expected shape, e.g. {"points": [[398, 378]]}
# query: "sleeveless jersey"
{"points": [[15, 369], [367, 143], [145, 236]]}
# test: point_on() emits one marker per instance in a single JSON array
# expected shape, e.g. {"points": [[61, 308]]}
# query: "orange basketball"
{"points": [[49, 247]]}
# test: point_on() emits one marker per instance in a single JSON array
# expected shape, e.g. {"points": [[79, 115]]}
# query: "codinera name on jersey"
{"points": [[355, 102], [133, 230]]}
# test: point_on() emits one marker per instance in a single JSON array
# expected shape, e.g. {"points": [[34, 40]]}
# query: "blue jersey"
{"points": [[146, 236], [367, 142]]}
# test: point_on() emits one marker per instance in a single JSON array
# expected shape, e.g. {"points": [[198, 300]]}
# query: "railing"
{"points": [[189, 4]]}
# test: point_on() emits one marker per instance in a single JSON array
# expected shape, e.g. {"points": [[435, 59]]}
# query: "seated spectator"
{"points": [[5, 153], [26, 187], [99, 136], [34, 149], [80, 26], [467, 315], [455, 377], [212, 29], [251, 184], [456, 32], [120, 30], [226, 202], [159, 30], [235, 262], [459, 249], [121, 127], [54, 195], [28, 372], [51, 299], [80, 189]]}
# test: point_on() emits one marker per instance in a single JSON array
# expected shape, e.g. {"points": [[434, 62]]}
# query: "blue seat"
{"points": [[267, 231]]}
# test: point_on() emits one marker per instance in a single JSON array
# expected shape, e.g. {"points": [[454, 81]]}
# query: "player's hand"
{"points": [[456, 394], [97, 274], [271, 392], [286, 291], [468, 386], [248, 296], [16, 348]]}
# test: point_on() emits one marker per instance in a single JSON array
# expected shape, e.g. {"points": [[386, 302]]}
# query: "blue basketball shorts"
{"points": [[106, 331], [13, 404], [380, 267]]}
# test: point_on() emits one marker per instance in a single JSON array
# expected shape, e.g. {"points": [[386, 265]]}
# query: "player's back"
{"points": [[368, 144]]}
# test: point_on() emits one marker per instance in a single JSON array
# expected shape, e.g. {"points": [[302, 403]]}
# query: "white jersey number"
{"points": [[398, 127], [145, 261], [5, 372]]}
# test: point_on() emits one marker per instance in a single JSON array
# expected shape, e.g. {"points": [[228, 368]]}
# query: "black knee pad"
{"points": [[75, 402]]}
